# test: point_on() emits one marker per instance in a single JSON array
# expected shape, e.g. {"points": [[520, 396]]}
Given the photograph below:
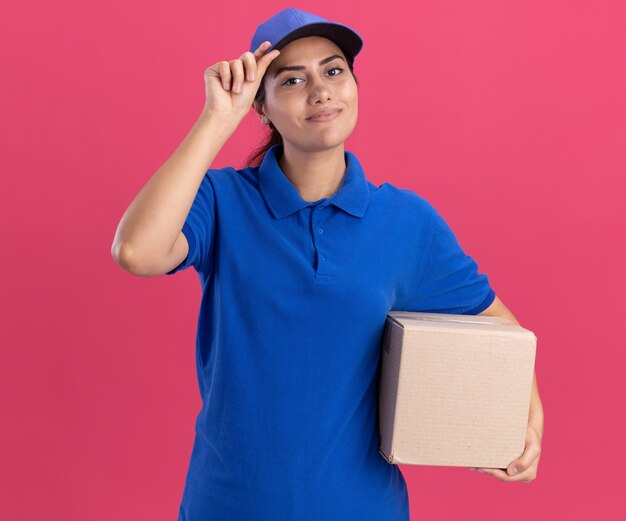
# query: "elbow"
{"points": [[498, 309], [125, 257]]}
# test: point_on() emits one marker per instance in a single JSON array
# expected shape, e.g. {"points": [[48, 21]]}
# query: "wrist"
{"points": [[535, 420], [218, 120]]}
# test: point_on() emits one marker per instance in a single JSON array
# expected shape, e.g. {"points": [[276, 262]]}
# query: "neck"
{"points": [[315, 175]]}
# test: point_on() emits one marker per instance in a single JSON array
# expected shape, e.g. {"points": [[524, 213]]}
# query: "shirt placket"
{"points": [[319, 232]]}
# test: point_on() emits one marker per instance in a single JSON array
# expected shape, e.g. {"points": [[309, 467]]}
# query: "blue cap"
{"points": [[291, 24]]}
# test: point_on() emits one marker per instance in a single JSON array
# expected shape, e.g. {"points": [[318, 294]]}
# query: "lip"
{"points": [[325, 115]]}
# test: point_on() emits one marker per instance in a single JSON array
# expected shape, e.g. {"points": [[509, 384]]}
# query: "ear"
{"points": [[258, 108]]}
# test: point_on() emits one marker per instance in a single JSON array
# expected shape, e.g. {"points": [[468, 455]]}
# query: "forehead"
{"points": [[305, 50]]}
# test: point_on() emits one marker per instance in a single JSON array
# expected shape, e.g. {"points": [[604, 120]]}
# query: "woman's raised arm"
{"points": [[148, 240]]}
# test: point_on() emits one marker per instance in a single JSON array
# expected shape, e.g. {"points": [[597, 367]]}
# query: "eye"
{"points": [[286, 82]]}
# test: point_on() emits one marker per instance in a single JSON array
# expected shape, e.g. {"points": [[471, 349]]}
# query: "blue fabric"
{"points": [[294, 300]]}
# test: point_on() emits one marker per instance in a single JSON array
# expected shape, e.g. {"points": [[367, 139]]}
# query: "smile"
{"points": [[325, 117]]}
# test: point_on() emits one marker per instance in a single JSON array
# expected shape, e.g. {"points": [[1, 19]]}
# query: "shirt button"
{"points": [[320, 230], [323, 257], [320, 207]]}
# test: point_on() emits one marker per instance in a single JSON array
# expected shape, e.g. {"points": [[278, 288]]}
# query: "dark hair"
{"points": [[274, 137]]}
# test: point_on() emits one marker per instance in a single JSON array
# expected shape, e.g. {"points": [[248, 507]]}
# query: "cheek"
{"points": [[350, 92], [355, 100], [279, 107], [352, 99]]}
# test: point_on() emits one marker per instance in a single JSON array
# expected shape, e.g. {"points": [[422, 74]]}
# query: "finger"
{"points": [[236, 68], [265, 60], [260, 50], [225, 76], [496, 473], [249, 62], [528, 457], [527, 476]]}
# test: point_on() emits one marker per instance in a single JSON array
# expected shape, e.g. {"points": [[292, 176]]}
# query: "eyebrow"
{"points": [[301, 67]]}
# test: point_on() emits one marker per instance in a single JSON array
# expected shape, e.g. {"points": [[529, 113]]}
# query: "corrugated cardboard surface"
{"points": [[454, 389]]}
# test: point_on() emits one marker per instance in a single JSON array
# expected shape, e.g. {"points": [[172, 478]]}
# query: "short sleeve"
{"points": [[450, 281], [199, 229]]}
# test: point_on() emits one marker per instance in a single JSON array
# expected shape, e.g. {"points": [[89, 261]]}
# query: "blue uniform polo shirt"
{"points": [[294, 300]]}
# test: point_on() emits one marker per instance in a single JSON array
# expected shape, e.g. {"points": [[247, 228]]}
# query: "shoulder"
{"points": [[227, 178], [227, 174], [401, 200]]}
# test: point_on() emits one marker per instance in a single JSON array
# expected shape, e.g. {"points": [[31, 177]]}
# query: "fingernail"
{"points": [[512, 471], [251, 76]]}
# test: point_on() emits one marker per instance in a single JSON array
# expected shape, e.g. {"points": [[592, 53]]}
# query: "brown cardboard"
{"points": [[454, 390]]}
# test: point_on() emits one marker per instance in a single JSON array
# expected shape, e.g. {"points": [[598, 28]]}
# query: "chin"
{"points": [[325, 142], [322, 139], [332, 137]]}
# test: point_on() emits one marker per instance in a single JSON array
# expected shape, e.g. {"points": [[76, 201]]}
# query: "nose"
{"points": [[319, 89]]}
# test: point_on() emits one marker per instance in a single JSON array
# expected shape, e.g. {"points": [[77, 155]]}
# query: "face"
{"points": [[310, 84]]}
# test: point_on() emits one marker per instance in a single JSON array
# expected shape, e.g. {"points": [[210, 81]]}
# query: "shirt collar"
{"points": [[283, 199]]}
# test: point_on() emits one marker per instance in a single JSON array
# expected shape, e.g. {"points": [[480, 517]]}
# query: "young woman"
{"points": [[300, 258]]}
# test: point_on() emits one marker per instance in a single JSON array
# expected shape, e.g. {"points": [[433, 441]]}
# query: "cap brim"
{"points": [[345, 38]]}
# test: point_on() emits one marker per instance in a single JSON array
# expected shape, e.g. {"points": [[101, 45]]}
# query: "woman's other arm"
{"points": [[498, 309], [525, 467]]}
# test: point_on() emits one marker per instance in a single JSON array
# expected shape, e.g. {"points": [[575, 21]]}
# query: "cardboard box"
{"points": [[454, 390]]}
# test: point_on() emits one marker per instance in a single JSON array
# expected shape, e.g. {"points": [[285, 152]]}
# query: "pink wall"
{"points": [[509, 116]]}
